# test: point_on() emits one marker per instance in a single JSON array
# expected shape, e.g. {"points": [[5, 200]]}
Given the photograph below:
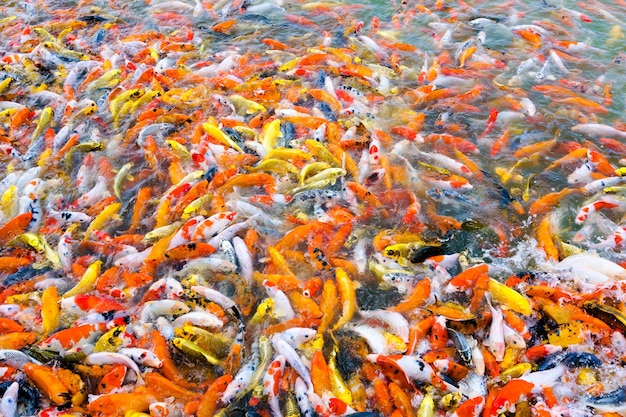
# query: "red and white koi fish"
{"points": [[185, 233], [396, 321], [132, 261], [111, 358], [10, 150], [541, 351], [73, 337], [167, 288], [208, 228], [162, 409], [374, 152], [90, 198], [443, 261], [86, 175], [615, 240], [271, 384], [458, 183], [292, 357], [491, 123], [606, 202], [575, 14]]}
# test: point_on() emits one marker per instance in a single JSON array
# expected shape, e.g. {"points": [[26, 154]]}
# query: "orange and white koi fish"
{"points": [[408, 368], [271, 382], [603, 203], [66, 339], [207, 228], [109, 358], [511, 394]]}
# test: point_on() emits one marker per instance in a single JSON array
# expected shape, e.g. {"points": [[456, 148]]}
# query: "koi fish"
{"points": [[491, 123], [16, 358], [8, 404], [292, 357], [207, 228], [496, 333], [598, 130], [408, 368], [243, 198], [153, 309], [240, 381], [512, 393], [194, 349], [66, 339], [142, 357], [270, 383], [104, 358], [605, 203]]}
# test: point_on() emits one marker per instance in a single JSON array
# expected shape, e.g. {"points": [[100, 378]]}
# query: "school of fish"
{"points": [[264, 208]]}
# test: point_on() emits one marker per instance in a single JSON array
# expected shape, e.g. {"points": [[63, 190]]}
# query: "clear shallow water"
{"points": [[331, 143]]}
